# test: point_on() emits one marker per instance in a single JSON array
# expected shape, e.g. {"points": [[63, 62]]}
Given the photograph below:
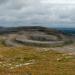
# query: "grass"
{"points": [[45, 62], [68, 42]]}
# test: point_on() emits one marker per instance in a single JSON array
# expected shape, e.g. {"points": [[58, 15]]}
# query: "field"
{"points": [[35, 61], [18, 58]]}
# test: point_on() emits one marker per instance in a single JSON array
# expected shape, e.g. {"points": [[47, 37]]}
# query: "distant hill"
{"points": [[5, 30], [69, 31], [34, 35], [65, 31]]}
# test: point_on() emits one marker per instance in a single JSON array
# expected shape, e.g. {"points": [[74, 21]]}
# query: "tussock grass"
{"points": [[46, 62]]}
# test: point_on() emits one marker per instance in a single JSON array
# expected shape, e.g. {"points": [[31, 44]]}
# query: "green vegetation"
{"points": [[68, 42]]}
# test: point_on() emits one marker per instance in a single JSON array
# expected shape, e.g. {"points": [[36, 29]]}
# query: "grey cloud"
{"points": [[20, 12], [3, 1]]}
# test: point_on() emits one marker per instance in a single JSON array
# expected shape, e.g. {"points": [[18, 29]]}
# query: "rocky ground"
{"points": [[19, 57]]}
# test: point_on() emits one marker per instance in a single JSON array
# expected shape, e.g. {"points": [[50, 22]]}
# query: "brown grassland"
{"points": [[47, 62]]}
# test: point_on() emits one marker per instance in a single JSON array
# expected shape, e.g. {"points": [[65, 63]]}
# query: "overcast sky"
{"points": [[52, 13]]}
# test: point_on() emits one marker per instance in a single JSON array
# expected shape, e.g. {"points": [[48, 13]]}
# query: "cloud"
{"points": [[3, 1], [37, 12], [59, 1]]}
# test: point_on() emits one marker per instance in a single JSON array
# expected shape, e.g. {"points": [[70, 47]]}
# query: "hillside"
{"points": [[34, 36], [36, 51]]}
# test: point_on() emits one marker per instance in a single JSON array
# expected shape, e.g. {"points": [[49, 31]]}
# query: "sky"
{"points": [[51, 13]]}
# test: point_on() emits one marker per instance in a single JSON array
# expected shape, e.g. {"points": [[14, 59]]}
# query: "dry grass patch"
{"points": [[13, 60]]}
